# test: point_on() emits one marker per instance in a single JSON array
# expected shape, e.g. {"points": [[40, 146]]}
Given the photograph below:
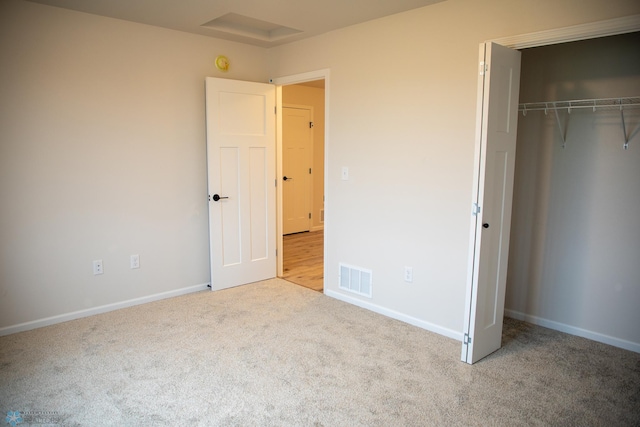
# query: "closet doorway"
{"points": [[303, 232], [574, 235]]}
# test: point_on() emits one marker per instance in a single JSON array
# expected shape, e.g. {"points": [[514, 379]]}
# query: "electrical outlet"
{"points": [[408, 274], [97, 267], [135, 261]]}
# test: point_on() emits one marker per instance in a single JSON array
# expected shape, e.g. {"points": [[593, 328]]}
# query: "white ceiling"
{"points": [[263, 23]]}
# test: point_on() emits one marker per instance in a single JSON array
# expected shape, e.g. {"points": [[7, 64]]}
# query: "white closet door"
{"points": [[498, 91]]}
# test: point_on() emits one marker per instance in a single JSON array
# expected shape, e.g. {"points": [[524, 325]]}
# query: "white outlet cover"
{"points": [[98, 267], [345, 173], [408, 274], [135, 261]]}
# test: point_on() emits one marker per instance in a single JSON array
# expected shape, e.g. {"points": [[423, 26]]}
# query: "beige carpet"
{"points": [[276, 354]]}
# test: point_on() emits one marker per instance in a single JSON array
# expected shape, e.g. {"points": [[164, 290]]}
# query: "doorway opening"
{"points": [[570, 231], [302, 183]]}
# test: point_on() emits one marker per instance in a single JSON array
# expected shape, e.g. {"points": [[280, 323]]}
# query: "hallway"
{"points": [[304, 259]]}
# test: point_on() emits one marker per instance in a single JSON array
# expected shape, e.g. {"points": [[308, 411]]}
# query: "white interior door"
{"points": [[296, 168], [241, 181], [498, 91]]}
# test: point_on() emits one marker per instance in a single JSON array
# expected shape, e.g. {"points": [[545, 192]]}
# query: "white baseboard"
{"points": [[26, 326], [595, 336], [395, 315]]}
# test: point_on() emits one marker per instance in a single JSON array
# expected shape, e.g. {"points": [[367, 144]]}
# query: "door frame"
{"points": [[609, 27], [322, 74]]}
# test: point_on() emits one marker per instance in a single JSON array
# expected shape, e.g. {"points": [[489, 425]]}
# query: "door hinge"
{"points": [[309, 215], [310, 125], [484, 67], [276, 252], [309, 171], [475, 209], [275, 109], [467, 339], [276, 181]]}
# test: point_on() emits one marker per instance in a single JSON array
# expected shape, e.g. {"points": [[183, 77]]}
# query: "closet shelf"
{"points": [[594, 104]]}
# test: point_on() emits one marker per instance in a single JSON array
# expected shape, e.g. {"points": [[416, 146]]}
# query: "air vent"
{"points": [[355, 279]]}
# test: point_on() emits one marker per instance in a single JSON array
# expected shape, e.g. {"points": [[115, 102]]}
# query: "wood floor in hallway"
{"points": [[303, 262]]}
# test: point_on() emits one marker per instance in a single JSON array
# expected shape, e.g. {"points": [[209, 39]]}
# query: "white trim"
{"points": [[279, 173], [27, 326], [289, 80], [562, 327], [302, 78], [395, 315], [609, 27], [298, 107], [473, 253]]}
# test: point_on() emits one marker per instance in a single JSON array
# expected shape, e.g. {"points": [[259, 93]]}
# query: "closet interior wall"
{"points": [[574, 261]]}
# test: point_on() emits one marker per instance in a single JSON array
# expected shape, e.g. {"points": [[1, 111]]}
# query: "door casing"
{"points": [[322, 74]]}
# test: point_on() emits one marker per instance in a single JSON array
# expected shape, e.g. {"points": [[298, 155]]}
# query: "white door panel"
{"points": [[498, 90], [228, 209], [241, 171], [297, 144]]}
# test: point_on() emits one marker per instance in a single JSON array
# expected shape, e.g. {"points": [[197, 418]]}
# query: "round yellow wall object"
{"points": [[222, 63]]}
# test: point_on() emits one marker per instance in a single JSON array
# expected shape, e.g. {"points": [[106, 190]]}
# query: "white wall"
{"points": [[402, 97], [575, 242], [102, 150], [102, 155], [313, 97]]}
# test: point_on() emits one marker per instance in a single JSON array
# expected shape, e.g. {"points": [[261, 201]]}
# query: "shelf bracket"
{"points": [[624, 130], [610, 104], [562, 135]]}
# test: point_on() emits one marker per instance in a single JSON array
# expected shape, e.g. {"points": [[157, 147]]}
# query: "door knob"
{"points": [[284, 178], [485, 225], [216, 197]]}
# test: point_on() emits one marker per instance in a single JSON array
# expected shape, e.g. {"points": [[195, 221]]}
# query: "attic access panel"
{"points": [[240, 25]]}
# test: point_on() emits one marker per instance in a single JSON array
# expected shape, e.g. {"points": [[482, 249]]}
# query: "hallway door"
{"points": [[297, 145]]}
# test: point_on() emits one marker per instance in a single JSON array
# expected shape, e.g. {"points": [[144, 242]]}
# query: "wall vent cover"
{"points": [[355, 279]]}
